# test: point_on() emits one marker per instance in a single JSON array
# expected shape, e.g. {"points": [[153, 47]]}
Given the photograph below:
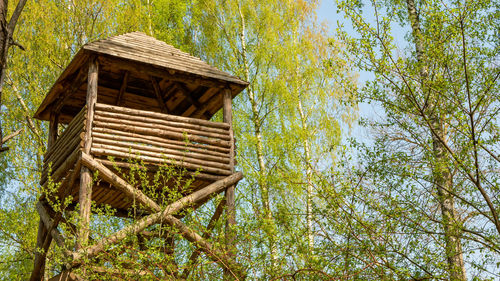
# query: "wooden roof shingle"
{"points": [[140, 52]]}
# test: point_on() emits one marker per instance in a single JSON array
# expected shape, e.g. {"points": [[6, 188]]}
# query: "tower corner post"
{"points": [[85, 192], [229, 194]]}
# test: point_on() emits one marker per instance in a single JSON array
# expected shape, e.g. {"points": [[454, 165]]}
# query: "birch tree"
{"points": [[7, 28], [438, 93]]}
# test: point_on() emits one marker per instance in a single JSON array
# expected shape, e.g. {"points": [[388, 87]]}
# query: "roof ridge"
{"points": [[143, 45]]}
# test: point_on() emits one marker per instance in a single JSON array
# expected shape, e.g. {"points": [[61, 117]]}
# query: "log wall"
{"points": [[156, 138], [65, 148]]}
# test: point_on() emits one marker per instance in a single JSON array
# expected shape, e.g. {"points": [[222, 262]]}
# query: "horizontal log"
{"points": [[61, 154], [63, 168], [179, 126], [152, 159], [174, 149], [61, 159], [145, 125], [160, 133], [153, 168], [112, 108], [159, 152], [73, 129], [153, 140]]}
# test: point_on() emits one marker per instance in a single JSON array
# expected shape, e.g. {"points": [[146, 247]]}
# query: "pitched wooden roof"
{"points": [[140, 47], [141, 54]]}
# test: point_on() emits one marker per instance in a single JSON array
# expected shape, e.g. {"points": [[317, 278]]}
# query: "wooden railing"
{"points": [[65, 148], [156, 138]]}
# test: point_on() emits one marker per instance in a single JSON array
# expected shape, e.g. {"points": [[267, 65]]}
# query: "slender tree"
{"points": [[7, 28], [440, 110]]}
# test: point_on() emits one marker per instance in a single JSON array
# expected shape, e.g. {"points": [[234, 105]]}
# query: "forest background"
{"points": [[415, 196]]}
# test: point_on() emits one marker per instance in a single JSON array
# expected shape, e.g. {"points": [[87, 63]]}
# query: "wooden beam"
{"points": [[40, 252], [53, 130], [231, 267], [201, 108], [85, 192], [159, 96], [206, 234], [70, 89], [230, 201], [162, 72], [160, 216], [63, 168], [123, 87], [47, 220], [151, 114], [107, 175]]}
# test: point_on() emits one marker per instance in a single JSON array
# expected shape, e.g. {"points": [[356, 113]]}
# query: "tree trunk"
{"points": [[6, 31], [443, 181], [264, 189], [307, 153], [4, 45]]}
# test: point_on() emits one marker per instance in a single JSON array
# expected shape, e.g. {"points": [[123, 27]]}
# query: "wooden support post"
{"points": [[53, 130], [231, 268], [40, 253], [200, 108], [159, 96], [230, 205], [123, 87], [48, 222], [85, 192]]}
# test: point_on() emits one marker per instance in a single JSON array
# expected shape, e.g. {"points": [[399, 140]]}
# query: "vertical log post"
{"points": [[44, 238], [85, 193], [230, 208]]}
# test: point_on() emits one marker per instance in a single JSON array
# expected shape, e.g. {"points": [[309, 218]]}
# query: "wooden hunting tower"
{"points": [[132, 97]]}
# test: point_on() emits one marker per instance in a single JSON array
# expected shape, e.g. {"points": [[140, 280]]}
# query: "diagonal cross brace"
{"points": [[161, 215]]}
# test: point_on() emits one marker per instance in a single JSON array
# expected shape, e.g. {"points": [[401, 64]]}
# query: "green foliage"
{"points": [[312, 206], [437, 91]]}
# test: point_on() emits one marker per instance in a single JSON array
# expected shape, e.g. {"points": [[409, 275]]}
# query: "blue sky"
{"points": [[327, 12]]}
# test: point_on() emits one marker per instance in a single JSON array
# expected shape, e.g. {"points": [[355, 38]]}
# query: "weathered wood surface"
{"points": [[41, 252], [163, 215], [49, 223], [154, 168], [157, 138], [136, 56], [162, 145], [63, 152], [160, 116], [164, 142], [85, 191], [139, 47], [73, 128]]}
